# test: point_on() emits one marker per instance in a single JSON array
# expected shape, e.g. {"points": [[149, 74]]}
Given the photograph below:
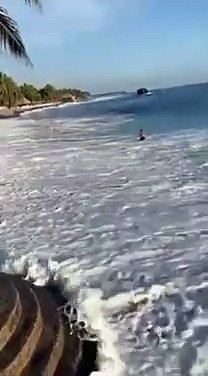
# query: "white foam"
{"points": [[106, 98], [128, 204], [202, 320], [38, 109], [118, 302], [201, 365], [92, 309]]}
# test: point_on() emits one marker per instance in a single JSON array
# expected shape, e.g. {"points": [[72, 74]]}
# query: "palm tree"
{"points": [[10, 38], [9, 91]]}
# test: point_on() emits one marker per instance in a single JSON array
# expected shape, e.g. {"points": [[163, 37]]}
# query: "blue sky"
{"points": [[106, 45]]}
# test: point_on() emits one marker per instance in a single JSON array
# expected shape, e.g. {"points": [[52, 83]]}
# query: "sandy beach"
{"points": [[6, 113]]}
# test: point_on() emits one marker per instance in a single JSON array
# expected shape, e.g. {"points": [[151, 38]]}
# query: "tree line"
{"points": [[12, 94]]}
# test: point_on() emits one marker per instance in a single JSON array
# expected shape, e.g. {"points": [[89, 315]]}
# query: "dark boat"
{"points": [[143, 91]]}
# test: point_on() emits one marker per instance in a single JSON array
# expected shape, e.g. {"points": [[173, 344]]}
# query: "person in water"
{"points": [[141, 136]]}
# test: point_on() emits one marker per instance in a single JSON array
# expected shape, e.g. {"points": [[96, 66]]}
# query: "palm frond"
{"points": [[34, 2], [10, 38]]}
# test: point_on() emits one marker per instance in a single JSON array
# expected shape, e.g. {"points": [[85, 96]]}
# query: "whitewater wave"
{"points": [[69, 104], [88, 302], [124, 228], [104, 98], [135, 308], [50, 106]]}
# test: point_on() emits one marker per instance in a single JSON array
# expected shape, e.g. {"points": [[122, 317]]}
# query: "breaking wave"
{"points": [[122, 225]]}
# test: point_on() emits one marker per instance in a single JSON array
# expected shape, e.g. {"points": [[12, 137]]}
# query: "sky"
{"points": [[110, 45]]}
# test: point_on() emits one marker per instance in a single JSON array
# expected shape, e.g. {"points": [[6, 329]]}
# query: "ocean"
{"points": [[123, 223]]}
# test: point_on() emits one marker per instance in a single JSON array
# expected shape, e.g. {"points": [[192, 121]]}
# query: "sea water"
{"points": [[123, 224]]}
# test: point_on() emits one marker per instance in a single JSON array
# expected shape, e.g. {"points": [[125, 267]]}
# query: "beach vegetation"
{"points": [[13, 94]]}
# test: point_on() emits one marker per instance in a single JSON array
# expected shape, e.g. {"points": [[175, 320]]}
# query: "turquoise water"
{"points": [[118, 220], [166, 111]]}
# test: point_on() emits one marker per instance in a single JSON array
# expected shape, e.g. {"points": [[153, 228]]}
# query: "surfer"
{"points": [[141, 136]]}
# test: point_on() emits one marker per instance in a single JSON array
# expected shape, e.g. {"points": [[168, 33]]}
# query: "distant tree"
{"points": [[49, 93], [9, 91], [10, 38], [2, 87], [30, 92]]}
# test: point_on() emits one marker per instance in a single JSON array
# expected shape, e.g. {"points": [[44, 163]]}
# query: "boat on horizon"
{"points": [[143, 91]]}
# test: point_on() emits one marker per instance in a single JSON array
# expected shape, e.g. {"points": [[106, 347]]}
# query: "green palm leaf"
{"points": [[10, 38]]}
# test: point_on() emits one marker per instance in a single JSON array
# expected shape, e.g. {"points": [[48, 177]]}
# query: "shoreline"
{"points": [[14, 112]]}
